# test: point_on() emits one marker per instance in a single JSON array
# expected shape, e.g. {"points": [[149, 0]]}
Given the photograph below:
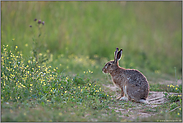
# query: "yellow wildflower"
{"points": [[40, 54], [29, 61]]}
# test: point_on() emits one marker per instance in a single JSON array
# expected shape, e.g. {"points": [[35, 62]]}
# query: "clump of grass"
{"points": [[21, 79], [157, 87], [176, 88]]}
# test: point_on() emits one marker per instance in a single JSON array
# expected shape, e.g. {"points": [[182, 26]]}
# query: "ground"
{"points": [[139, 110]]}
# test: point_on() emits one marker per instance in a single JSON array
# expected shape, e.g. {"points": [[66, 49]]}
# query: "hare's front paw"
{"points": [[124, 98], [118, 97]]}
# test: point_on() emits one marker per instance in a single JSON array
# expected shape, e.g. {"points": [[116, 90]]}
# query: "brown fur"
{"points": [[137, 86]]}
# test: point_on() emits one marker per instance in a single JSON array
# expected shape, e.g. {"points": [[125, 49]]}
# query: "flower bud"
{"points": [[39, 21]]}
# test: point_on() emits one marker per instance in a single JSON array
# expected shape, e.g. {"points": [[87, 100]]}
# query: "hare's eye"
{"points": [[109, 64]]}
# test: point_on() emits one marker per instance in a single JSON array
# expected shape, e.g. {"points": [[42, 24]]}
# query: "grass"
{"points": [[37, 88], [148, 43], [52, 72]]}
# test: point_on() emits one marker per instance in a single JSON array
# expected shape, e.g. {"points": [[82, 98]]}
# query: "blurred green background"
{"points": [[148, 32]]}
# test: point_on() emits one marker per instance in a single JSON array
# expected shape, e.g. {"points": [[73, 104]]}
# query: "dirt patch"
{"points": [[134, 110]]}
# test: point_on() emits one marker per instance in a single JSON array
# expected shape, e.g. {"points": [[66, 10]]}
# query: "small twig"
{"points": [[174, 109]]}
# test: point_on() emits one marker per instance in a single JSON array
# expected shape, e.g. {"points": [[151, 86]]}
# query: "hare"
{"points": [[133, 84]]}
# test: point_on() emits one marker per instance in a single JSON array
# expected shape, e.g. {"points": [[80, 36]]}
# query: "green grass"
{"points": [[32, 91], [53, 72], [150, 38]]}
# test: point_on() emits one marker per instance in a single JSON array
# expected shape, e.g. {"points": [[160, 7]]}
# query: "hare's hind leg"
{"points": [[143, 101]]}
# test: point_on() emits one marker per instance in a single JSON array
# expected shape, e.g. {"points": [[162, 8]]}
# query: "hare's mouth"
{"points": [[104, 71]]}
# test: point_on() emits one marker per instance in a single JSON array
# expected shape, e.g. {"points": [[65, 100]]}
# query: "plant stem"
{"points": [[175, 74]]}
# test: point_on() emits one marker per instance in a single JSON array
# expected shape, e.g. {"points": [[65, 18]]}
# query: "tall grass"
{"points": [[148, 32]]}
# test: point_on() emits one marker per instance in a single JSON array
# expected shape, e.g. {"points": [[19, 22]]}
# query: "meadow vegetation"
{"points": [[52, 54]]}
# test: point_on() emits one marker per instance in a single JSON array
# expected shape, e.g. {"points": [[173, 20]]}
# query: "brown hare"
{"points": [[133, 84]]}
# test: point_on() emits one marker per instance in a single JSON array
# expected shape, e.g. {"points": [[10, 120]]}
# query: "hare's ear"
{"points": [[119, 55], [115, 55]]}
